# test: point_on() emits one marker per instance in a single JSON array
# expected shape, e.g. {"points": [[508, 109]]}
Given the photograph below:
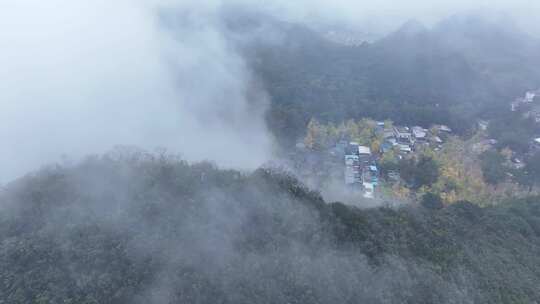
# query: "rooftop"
{"points": [[362, 150], [419, 132], [402, 129], [404, 148], [445, 128]]}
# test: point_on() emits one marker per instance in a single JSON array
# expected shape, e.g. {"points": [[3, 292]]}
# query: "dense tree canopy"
{"points": [[432, 201], [414, 76], [138, 228], [493, 168], [420, 172]]}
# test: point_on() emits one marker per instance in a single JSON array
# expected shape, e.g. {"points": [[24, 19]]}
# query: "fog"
{"points": [[80, 77]]}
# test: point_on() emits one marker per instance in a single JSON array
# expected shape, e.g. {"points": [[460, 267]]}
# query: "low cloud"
{"points": [[81, 77]]}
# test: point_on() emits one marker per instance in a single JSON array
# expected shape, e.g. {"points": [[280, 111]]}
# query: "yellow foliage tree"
{"points": [[352, 130], [316, 135], [375, 146]]}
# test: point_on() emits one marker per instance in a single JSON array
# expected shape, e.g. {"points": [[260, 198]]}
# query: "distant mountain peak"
{"points": [[477, 22], [411, 32], [412, 27]]}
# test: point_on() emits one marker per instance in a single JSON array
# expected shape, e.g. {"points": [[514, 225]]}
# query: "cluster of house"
{"points": [[360, 168], [407, 140], [532, 100], [361, 163]]}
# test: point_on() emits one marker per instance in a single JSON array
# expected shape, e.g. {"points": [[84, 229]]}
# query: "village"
{"points": [[362, 164], [356, 153], [357, 164]]}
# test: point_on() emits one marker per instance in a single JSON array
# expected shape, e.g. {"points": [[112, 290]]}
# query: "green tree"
{"points": [[352, 130], [521, 177], [493, 169], [428, 171], [432, 201], [316, 136], [419, 173]]}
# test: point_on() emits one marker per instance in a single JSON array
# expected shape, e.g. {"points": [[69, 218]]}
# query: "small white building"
{"points": [[483, 125], [403, 134], [529, 96], [351, 160], [444, 128], [369, 190], [419, 133], [364, 151], [404, 148]]}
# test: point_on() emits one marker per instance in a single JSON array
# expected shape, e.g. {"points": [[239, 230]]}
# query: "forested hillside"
{"points": [[462, 68], [131, 227]]}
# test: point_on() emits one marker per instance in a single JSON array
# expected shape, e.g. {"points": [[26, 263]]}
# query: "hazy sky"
{"points": [[385, 15], [81, 76]]}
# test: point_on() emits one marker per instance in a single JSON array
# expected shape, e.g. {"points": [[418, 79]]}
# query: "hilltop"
{"points": [[141, 228]]}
